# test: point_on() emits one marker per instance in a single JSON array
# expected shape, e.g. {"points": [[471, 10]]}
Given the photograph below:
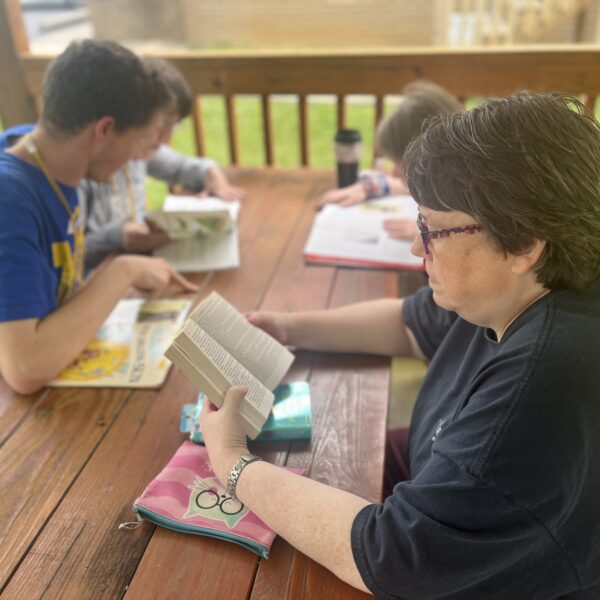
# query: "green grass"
{"points": [[284, 114], [322, 126]]}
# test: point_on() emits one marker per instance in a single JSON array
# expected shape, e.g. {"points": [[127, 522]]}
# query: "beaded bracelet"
{"points": [[375, 185]]}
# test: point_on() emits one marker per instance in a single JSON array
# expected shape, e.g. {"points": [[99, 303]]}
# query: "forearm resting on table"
{"points": [[313, 517], [375, 327], [34, 351]]}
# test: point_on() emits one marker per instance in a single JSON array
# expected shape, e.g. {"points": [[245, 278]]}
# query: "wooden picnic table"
{"points": [[72, 461]]}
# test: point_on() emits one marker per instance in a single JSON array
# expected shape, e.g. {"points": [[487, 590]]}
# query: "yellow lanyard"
{"points": [[75, 277]]}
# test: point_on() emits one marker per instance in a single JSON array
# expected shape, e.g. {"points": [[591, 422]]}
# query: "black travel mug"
{"points": [[348, 148]]}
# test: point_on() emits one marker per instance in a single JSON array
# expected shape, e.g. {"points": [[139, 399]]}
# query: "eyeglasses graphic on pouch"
{"points": [[209, 498], [427, 235]]}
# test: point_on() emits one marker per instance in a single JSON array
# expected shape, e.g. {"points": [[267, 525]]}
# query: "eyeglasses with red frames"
{"points": [[427, 235]]}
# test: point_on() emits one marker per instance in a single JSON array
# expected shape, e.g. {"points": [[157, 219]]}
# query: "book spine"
{"points": [[286, 433]]}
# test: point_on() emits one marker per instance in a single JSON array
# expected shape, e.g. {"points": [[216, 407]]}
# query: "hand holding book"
{"points": [[217, 348]]}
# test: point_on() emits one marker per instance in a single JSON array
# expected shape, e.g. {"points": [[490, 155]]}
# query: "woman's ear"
{"points": [[527, 259]]}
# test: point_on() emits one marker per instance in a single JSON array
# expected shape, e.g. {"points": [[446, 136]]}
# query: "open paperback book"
{"points": [[128, 350], [203, 231], [354, 236], [188, 497], [217, 348], [184, 217]]}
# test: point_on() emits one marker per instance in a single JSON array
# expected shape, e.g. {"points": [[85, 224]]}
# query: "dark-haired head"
{"points": [[92, 79], [175, 83], [526, 168], [422, 99]]}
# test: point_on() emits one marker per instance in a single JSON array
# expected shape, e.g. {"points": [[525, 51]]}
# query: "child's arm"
{"points": [[368, 187], [34, 351]]}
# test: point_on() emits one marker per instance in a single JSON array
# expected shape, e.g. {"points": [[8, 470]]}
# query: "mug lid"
{"points": [[347, 136]]}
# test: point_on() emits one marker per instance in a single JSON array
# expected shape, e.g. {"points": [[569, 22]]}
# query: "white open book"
{"points": [[217, 348], [203, 232], [354, 236]]}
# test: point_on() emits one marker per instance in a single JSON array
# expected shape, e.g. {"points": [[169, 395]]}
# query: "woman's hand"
{"points": [[276, 324], [223, 433]]}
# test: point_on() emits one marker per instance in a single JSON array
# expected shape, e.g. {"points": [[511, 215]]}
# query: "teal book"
{"points": [[290, 418]]}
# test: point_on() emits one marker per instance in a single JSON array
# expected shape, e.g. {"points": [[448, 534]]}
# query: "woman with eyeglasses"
{"points": [[499, 497]]}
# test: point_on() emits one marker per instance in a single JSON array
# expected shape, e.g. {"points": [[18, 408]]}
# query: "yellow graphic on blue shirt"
{"points": [[71, 266]]}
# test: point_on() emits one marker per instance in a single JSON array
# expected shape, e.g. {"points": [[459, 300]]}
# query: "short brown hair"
{"points": [[526, 168], [97, 78], [175, 82], [422, 99]]}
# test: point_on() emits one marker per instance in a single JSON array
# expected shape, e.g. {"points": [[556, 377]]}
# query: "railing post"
{"points": [[198, 126], [267, 129], [232, 129], [16, 103]]}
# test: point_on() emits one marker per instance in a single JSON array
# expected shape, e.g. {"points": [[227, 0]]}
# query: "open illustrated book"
{"points": [[203, 232], [216, 348], [128, 350], [354, 236]]}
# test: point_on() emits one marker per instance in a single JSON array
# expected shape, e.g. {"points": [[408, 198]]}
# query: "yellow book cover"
{"points": [[128, 350]]}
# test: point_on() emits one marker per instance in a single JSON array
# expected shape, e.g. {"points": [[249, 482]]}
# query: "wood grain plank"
{"points": [[295, 285], [349, 402], [42, 458], [14, 408]]}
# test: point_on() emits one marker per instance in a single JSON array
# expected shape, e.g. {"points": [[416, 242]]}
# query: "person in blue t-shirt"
{"points": [[502, 495], [100, 108]]}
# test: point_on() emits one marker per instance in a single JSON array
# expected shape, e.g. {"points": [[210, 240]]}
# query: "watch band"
{"points": [[241, 463]]}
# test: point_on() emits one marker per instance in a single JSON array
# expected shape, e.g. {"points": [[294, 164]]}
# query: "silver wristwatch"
{"points": [[237, 468]]}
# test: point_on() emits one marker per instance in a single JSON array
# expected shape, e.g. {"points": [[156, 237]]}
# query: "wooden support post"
{"points": [[303, 110], [267, 129], [232, 129], [341, 112], [379, 106], [16, 103], [198, 127]]}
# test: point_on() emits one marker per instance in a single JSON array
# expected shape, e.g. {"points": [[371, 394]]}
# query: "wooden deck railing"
{"points": [[465, 72]]}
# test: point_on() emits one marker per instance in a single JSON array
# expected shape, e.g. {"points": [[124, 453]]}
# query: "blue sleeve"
{"points": [[446, 534], [28, 283], [428, 322]]}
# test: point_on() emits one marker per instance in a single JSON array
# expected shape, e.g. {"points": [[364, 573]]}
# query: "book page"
{"points": [[128, 349], [222, 370], [184, 217], [193, 203], [261, 354], [356, 233], [211, 253]]}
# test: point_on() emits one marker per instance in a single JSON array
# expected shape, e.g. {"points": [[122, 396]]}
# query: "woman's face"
{"points": [[468, 273]]}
